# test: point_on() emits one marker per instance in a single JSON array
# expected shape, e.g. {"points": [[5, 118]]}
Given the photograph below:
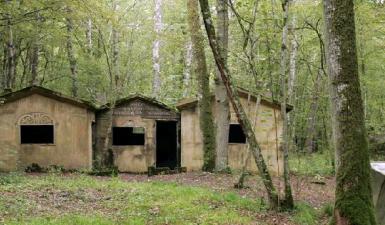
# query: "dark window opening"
{"points": [[127, 136], [236, 134], [36, 134]]}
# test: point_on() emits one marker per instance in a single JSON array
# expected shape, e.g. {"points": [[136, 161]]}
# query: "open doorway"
{"points": [[166, 144]]}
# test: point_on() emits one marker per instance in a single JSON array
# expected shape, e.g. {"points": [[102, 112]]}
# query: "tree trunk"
{"points": [[310, 145], [354, 203], [204, 97], [71, 54], [187, 68], [156, 48], [10, 49], [238, 108], [89, 36], [222, 107], [115, 55], [289, 202], [293, 63], [34, 58]]}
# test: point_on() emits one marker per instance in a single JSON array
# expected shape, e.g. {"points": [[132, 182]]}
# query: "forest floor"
{"points": [[186, 198]]}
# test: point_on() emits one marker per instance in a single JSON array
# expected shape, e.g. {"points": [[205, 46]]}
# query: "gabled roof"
{"points": [[191, 102], [28, 91], [133, 97]]}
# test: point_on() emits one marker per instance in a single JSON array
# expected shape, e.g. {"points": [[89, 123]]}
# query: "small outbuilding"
{"points": [[40, 126], [268, 130], [140, 132]]}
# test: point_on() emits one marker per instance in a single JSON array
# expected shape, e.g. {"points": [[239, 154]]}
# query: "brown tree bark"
{"points": [[354, 203], [238, 108]]}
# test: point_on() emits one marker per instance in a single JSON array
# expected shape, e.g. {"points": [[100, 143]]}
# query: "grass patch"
{"points": [[311, 164], [305, 214], [80, 199]]}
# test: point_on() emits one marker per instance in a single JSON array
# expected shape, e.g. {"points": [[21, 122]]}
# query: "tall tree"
{"points": [[187, 68], [71, 52], [10, 65], [222, 113], [232, 94], [203, 77], [289, 202], [156, 83], [353, 204]]}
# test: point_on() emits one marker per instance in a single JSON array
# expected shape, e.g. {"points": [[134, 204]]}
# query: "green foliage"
{"points": [[311, 164], [10, 178], [305, 214]]}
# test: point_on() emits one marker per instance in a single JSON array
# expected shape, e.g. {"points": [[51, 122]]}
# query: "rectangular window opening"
{"points": [[36, 134], [236, 135], [122, 136]]}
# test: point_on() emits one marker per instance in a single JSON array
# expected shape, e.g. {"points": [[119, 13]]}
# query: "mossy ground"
{"points": [[56, 198]]}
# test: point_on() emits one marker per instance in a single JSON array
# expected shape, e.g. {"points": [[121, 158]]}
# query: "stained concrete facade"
{"points": [[71, 119], [268, 131], [378, 186], [138, 112]]}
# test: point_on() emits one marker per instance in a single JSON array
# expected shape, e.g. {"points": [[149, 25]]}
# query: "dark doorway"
{"points": [[166, 144]]}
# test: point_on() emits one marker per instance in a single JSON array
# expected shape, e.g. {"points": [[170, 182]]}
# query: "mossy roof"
{"points": [[243, 93], [28, 91]]}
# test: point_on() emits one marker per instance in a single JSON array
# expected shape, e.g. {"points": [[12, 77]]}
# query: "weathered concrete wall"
{"points": [[378, 186], [268, 134], [191, 140], [72, 146], [136, 113]]}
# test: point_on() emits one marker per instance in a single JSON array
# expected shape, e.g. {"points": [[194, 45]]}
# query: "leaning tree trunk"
{"points": [[156, 83], [71, 54], [354, 203], [289, 202], [222, 107], [238, 108], [204, 97]]}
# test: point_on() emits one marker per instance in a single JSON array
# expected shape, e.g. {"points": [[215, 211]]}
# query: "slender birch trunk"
{"points": [[289, 202], [89, 35], [222, 118], [232, 94], [353, 200], [156, 84], [187, 68], [293, 63]]}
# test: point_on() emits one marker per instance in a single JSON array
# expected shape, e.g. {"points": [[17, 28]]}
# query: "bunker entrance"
{"points": [[166, 144]]}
